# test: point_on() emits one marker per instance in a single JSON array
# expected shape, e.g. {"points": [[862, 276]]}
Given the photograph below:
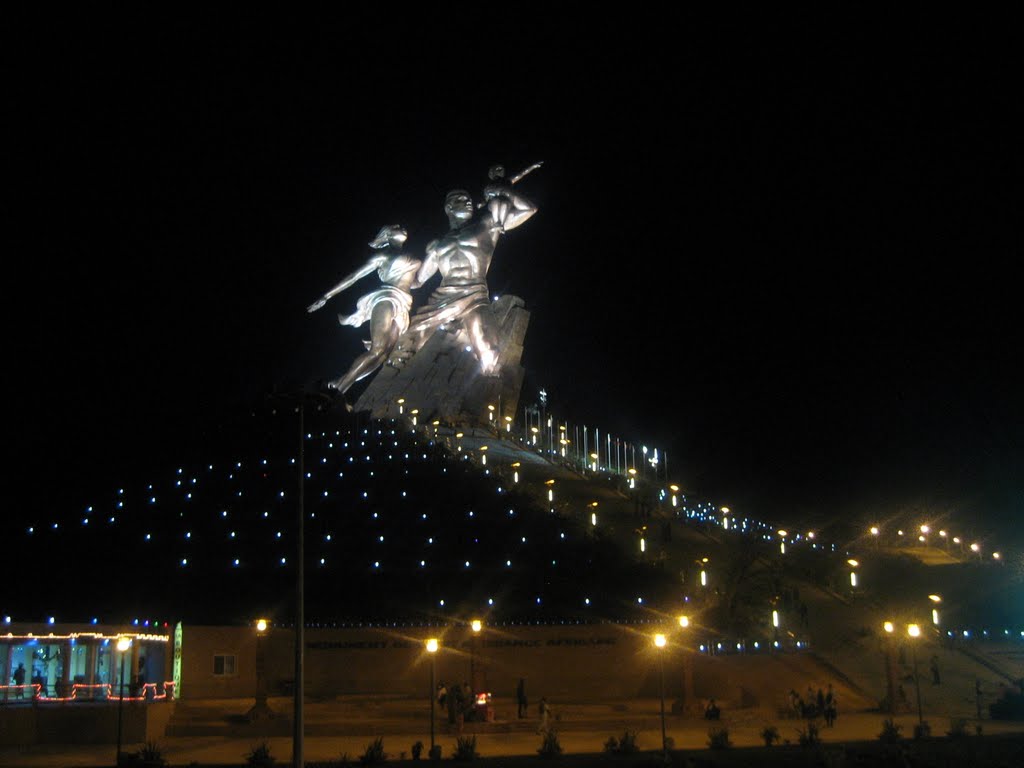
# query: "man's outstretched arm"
{"points": [[508, 208]]}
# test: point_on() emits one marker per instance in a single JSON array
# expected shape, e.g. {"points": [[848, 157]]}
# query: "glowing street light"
{"points": [[260, 708], [476, 625], [659, 643], [890, 666], [914, 632], [431, 646], [123, 644]]}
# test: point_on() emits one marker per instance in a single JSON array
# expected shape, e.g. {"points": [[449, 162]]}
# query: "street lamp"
{"points": [[914, 631], [659, 643], [432, 650], [890, 672], [688, 697], [123, 644], [476, 625], [260, 708]]}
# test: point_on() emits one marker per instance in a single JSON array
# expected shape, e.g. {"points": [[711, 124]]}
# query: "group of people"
{"points": [[462, 257], [820, 704], [458, 701]]}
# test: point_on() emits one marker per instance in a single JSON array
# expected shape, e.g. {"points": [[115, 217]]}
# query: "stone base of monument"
{"points": [[442, 380]]}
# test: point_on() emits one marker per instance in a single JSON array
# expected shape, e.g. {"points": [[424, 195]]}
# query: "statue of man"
{"points": [[463, 256], [385, 309]]}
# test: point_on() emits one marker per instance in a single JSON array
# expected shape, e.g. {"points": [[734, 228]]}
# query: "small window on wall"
{"points": [[224, 664]]}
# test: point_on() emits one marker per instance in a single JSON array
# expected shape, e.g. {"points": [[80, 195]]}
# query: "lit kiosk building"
{"points": [[47, 663]]}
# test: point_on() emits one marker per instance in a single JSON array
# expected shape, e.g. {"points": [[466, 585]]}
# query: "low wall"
{"points": [[83, 723], [574, 661]]}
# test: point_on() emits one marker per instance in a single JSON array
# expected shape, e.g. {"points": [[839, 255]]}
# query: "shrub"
{"points": [[465, 748], [150, 755], [628, 743], [718, 738], [435, 752], [260, 757], [922, 731], [374, 754], [809, 737], [890, 731], [550, 746], [957, 728], [770, 735]]}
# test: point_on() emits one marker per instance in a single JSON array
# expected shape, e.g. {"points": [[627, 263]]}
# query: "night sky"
{"points": [[793, 268]]}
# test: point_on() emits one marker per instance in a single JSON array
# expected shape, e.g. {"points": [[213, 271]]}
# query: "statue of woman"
{"points": [[386, 309]]}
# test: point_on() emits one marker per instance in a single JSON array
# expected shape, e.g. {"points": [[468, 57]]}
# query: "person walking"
{"points": [[830, 707], [521, 698], [545, 712]]}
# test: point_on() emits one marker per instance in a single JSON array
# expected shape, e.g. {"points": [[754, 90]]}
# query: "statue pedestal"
{"points": [[443, 381]]}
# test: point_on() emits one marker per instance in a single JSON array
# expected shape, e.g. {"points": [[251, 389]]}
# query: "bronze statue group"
{"points": [[462, 256]]}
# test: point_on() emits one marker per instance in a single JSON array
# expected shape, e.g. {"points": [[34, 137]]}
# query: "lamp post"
{"points": [[659, 643], [260, 708], [914, 631], [688, 697], [476, 625], [890, 672], [123, 644], [432, 650]]}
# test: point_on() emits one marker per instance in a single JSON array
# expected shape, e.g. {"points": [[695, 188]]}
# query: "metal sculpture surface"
{"points": [[463, 256], [386, 309]]}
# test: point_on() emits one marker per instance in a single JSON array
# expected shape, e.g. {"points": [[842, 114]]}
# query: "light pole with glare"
{"points": [[659, 643], [260, 709], [123, 644], [689, 700], [914, 631], [890, 671], [476, 625], [432, 650]]}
